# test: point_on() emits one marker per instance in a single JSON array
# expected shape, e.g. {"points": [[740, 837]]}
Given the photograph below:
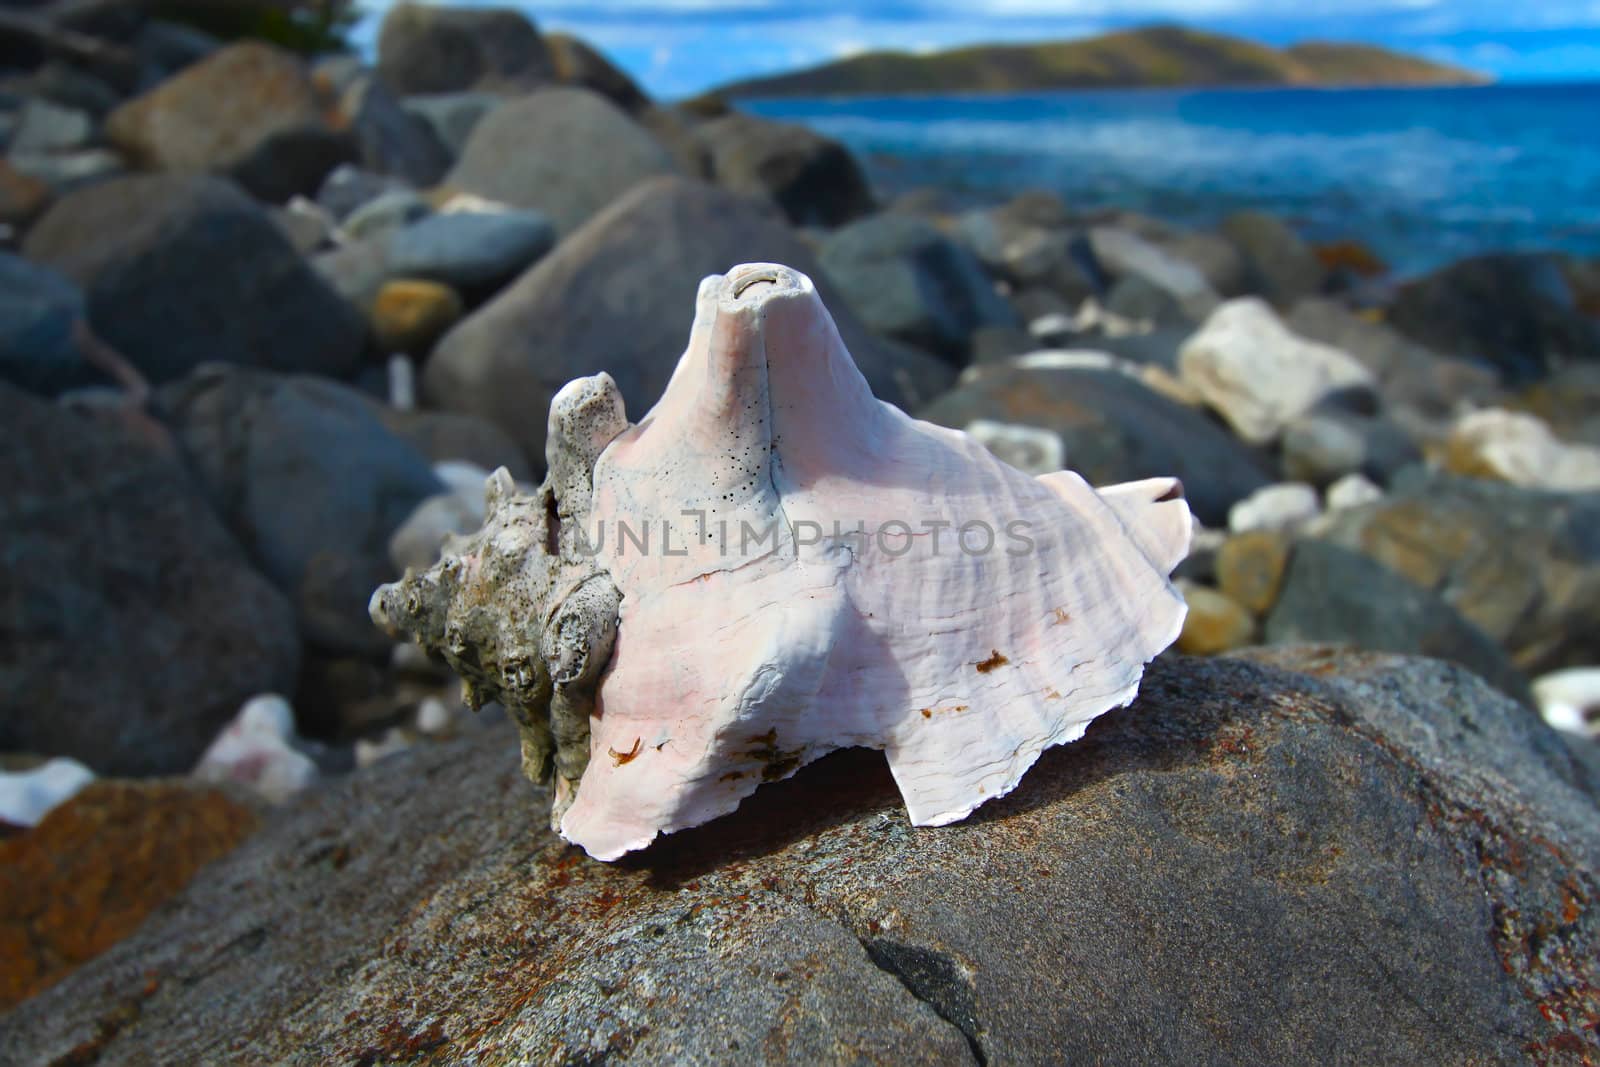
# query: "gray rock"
{"points": [[1215, 257], [991, 344], [565, 152], [618, 295], [1114, 429], [1298, 835], [1008, 241], [392, 140], [1332, 595], [1321, 448], [1124, 254], [907, 280], [452, 116], [1140, 300], [444, 436], [39, 310], [814, 179], [1407, 373], [65, 171], [348, 187], [470, 250], [386, 212], [308, 227], [71, 87], [250, 111], [133, 626], [1515, 313], [164, 48], [1277, 263], [357, 270], [1521, 564], [44, 126], [428, 49], [181, 270], [310, 481]]}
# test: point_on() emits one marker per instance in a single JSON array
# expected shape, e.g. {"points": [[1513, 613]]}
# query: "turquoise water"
{"points": [[1423, 176]]}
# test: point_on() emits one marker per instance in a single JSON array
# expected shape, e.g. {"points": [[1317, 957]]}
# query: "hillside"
{"points": [[1155, 56]]}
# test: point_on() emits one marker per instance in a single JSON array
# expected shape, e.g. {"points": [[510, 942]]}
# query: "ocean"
{"points": [[1422, 176]]}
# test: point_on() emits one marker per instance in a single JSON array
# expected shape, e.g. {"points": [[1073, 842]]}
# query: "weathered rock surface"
{"points": [[1519, 448], [618, 296], [563, 151], [907, 280], [1388, 863], [1113, 428], [1515, 313], [312, 484], [452, 116], [426, 48], [814, 179], [1126, 255], [92, 871], [1521, 564], [181, 270], [131, 625], [1332, 595], [22, 198], [250, 111]]}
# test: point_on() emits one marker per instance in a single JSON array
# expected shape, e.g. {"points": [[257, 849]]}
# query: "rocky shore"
{"points": [[266, 323]]}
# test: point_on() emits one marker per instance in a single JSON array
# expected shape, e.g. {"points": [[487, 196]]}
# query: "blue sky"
{"points": [[678, 47]]}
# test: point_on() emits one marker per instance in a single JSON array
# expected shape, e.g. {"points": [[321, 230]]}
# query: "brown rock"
{"points": [[22, 198], [1214, 623], [250, 111], [410, 315], [89, 874], [1521, 564], [1250, 568]]}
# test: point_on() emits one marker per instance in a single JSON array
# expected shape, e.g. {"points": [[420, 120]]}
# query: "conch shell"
{"points": [[772, 564]]}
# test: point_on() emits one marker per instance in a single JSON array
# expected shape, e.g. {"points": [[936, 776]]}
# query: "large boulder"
{"points": [[424, 48], [814, 179], [1385, 863], [181, 270], [1258, 376], [1029, 241], [250, 111], [1112, 428], [576, 62], [1521, 564], [910, 282], [311, 482], [563, 151], [40, 312], [1333, 595], [618, 295], [1515, 313], [131, 624], [1277, 263]]}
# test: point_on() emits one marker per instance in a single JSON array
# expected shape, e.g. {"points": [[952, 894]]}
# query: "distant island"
{"points": [[1155, 56]]}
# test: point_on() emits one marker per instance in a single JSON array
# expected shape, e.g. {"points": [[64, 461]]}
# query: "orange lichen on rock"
{"points": [[90, 872]]}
